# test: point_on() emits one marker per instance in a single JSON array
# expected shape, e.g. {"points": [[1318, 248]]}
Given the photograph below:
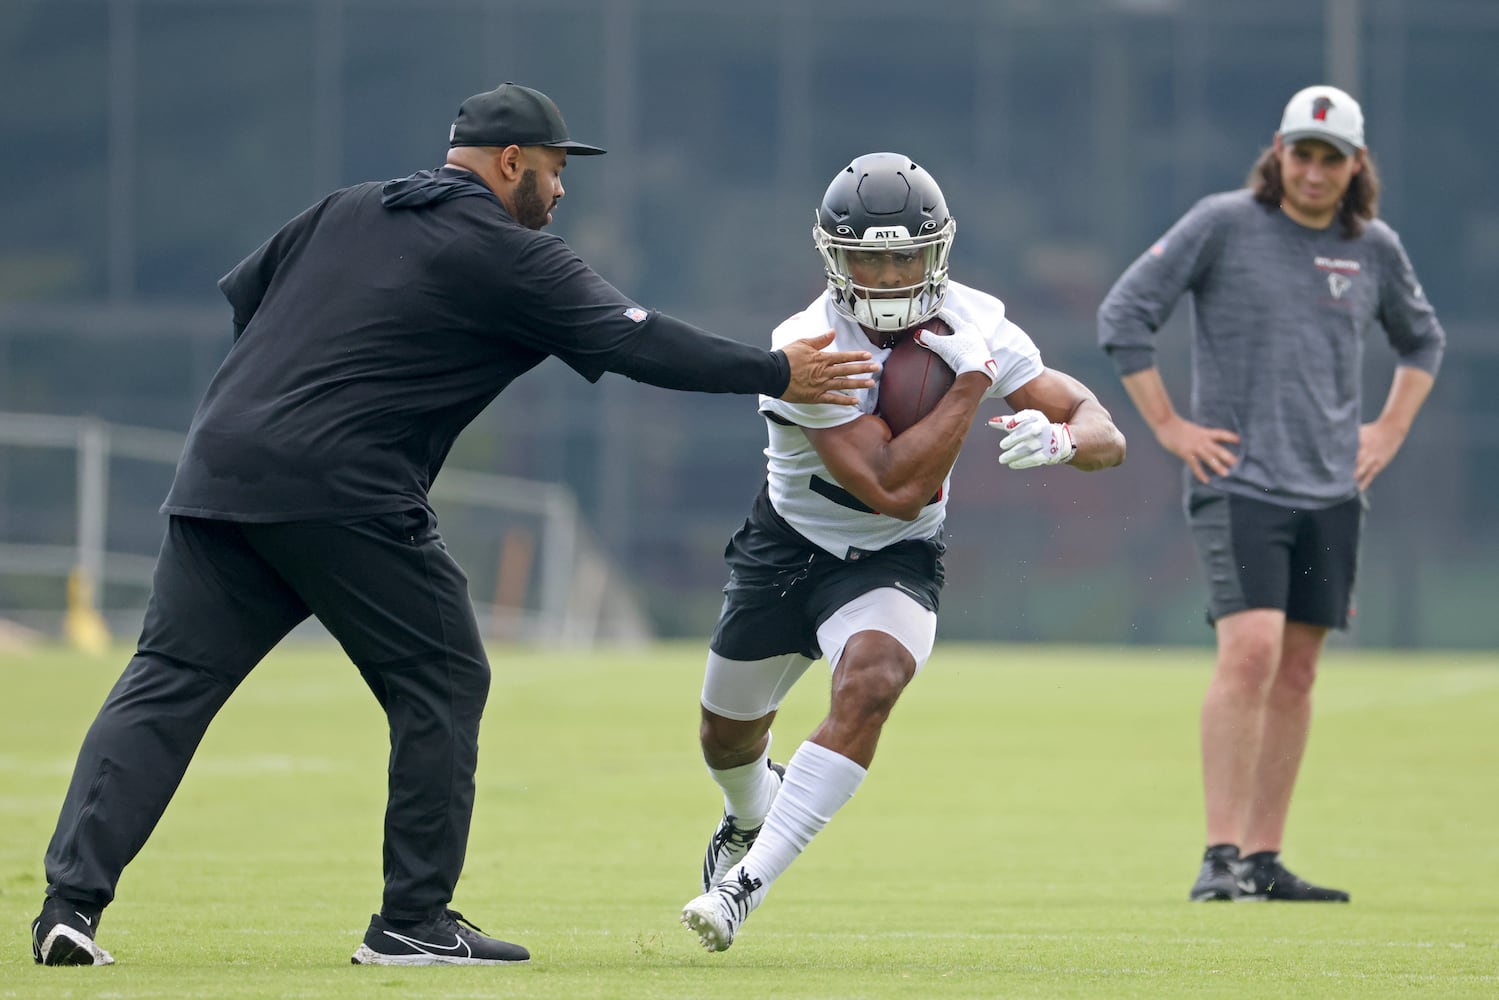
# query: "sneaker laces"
{"points": [[459, 918], [730, 834], [736, 894]]}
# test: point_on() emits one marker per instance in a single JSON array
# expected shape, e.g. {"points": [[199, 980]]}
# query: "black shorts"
{"points": [[782, 587], [1262, 555]]}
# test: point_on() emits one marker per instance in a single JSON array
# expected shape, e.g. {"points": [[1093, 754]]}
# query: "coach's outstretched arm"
{"points": [[677, 355]]}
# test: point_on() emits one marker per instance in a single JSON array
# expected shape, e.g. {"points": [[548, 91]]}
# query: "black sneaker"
{"points": [[1263, 877], [442, 940], [731, 842], [63, 934], [1217, 879]]}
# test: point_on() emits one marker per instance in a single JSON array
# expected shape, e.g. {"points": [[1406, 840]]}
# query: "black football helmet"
{"points": [[884, 203]]}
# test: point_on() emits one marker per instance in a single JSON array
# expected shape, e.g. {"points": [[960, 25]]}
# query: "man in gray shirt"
{"points": [[1285, 277]]}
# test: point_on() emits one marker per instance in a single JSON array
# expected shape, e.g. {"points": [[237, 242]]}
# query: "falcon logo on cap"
{"points": [[1320, 107]]}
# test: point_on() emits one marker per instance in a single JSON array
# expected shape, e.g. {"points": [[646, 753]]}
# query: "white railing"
{"points": [[549, 582]]}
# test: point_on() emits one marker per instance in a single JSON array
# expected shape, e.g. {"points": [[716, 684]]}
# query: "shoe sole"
{"points": [[1213, 896], [703, 921], [365, 955], [65, 946]]}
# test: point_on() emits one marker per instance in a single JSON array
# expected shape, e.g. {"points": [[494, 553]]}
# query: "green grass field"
{"points": [[1030, 829]]}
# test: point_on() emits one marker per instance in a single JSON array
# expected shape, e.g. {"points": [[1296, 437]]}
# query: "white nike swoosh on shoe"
{"points": [[86, 921], [1245, 886], [428, 946]]}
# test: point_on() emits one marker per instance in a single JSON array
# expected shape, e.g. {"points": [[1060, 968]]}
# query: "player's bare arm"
{"points": [[898, 475], [818, 376], [1380, 440], [1062, 399], [1204, 449]]}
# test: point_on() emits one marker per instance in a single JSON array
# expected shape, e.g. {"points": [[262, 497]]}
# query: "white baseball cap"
{"points": [[1325, 113]]}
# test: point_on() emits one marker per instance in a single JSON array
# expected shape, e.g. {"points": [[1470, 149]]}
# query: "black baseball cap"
{"points": [[512, 115]]}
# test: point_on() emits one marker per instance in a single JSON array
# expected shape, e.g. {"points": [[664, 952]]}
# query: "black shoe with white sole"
{"points": [[440, 940], [63, 934]]}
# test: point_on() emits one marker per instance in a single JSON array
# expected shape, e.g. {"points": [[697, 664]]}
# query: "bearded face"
{"points": [[531, 209]]}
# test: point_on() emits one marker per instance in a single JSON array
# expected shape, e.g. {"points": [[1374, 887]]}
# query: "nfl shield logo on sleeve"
{"points": [[637, 314]]}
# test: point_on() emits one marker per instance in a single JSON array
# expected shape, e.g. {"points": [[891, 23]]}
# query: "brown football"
{"points": [[912, 379]]}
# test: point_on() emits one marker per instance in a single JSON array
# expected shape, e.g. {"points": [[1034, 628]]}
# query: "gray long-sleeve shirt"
{"points": [[1279, 317]]}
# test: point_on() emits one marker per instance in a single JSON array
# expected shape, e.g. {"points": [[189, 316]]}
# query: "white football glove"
{"points": [[1031, 440], [964, 350]]}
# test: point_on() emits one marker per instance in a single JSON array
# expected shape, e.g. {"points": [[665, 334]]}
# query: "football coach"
{"points": [[368, 332]]}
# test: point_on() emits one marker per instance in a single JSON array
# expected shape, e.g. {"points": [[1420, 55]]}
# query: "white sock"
{"points": [[748, 790], [818, 782]]}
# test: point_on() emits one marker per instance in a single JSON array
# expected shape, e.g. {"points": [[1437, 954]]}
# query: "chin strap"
{"points": [[910, 314]]}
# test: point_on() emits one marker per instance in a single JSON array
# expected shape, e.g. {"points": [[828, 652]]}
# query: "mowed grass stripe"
{"points": [[1030, 828]]}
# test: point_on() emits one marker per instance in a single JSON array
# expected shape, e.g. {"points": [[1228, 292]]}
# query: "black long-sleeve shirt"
{"points": [[373, 327]]}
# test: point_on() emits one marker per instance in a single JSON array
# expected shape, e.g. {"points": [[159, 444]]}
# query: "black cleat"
{"points": [[1263, 877], [731, 842], [63, 934], [1217, 880], [440, 940]]}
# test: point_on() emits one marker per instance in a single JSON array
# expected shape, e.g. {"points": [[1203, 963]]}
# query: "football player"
{"points": [[841, 556]]}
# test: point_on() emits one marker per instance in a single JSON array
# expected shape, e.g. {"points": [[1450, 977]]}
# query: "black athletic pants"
{"points": [[224, 594]]}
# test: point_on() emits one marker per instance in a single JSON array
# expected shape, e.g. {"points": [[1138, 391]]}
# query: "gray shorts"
{"points": [[1256, 554]]}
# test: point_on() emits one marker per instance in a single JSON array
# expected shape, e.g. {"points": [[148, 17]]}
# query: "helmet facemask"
{"points": [[914, 267]]}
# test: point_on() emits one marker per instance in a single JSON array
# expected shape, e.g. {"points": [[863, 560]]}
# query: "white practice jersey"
{"points": [[792, 462]]}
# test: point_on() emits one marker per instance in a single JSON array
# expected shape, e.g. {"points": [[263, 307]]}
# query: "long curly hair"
{"points": [[1360, 202]]}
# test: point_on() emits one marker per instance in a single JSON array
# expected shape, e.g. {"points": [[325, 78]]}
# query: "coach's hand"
{"points": [[1031, 440], [817, 375]]}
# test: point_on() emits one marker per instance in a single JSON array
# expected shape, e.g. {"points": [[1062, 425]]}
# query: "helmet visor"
{"points": [[887, 284]]}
